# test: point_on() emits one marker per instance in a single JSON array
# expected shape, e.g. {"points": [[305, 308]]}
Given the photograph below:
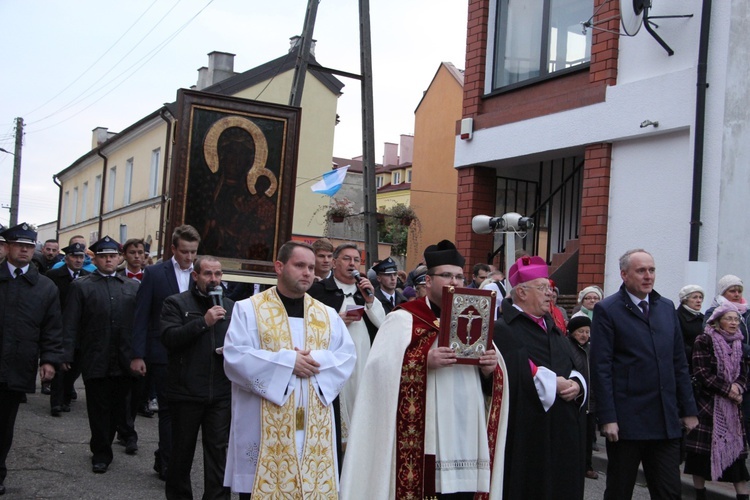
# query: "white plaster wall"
{"points": [[734, 198], [649, 207]]}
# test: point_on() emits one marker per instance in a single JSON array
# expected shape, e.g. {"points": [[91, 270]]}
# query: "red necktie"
{"points": [[138, 276]]}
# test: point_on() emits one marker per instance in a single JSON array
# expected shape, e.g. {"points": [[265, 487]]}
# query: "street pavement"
{"points": [[50, 458]]}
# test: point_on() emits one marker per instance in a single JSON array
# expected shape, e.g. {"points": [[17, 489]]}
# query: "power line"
{"points": [[77, 99], [152, 54], [95, 62]]}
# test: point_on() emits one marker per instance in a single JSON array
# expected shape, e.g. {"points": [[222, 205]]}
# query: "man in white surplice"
{"points": [[343, 291], [288, 357]]}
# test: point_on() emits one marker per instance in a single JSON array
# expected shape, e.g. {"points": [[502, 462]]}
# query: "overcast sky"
{"points": [[68, 67]]}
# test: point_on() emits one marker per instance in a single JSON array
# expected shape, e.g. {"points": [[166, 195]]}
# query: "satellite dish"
{"points": [[631, 14]]}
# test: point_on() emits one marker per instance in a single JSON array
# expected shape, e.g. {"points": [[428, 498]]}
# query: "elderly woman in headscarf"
{"points": [[716, 447], [587, 299], [691, 318]]}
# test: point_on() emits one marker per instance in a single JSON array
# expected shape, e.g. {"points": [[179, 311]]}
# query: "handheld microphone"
{"points": [[358, 277], [217, 295]]}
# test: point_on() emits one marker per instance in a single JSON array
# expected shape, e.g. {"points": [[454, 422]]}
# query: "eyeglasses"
{"points": [[346, 258], [731, 320], [541, 288], [450, 276]]}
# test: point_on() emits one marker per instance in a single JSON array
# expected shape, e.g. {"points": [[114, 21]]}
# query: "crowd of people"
{"points": [[336, 384]]}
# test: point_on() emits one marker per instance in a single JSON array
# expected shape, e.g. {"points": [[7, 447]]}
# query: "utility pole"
{"points": [[300, 69], [16, 174], [368, 135]]}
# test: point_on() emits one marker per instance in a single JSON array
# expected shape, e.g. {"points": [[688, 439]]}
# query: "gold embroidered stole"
{"points": [[279, 474]]}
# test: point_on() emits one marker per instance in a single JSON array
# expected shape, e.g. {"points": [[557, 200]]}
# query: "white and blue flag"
{"points": [[331, 182]]}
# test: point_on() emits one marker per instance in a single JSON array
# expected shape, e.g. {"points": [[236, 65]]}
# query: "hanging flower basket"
{"points": [[337, 218], [406, 221]]}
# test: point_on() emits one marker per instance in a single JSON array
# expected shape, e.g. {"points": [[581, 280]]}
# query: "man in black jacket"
{"points": [[193, 326], [62, 389], [386, 292], [30, 331], [99, 315]]}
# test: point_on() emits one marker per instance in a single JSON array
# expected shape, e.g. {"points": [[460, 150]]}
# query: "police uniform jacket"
{"points": [[99, 317], [30, 328], [195, 371]]}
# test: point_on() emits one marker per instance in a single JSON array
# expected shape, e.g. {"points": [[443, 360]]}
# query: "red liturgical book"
{"points": [[467, 321]]}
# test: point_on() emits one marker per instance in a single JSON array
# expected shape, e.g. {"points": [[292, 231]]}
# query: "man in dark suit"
{"points": [[159, 282], [386, 292], [640, 379], [30, 331], [62, 389]]}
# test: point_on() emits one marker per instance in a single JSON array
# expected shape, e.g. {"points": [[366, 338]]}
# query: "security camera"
{"points": [[516, 222], [484, 224]]}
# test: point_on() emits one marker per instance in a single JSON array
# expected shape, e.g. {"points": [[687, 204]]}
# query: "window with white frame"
{"points": [[66, 208], [74, 205], [153, 177], [128, 182], [396, 178], [378, 182], [97, 195], [536, 38], [84, 201], [408, 176], [111, 185]]}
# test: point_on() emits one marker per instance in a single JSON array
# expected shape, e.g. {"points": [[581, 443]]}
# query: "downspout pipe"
{"points": [[101, 194], [59, 204], [164, 197], [700, 131]]}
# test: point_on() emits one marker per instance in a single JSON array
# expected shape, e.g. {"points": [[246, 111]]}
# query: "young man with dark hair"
{"points": [[287, 356], [479, 274], [134, 251]]}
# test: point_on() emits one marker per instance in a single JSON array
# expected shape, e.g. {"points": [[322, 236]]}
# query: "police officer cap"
{"points": [[75, 249], [21, 233], [387, 266], [105, 245]]}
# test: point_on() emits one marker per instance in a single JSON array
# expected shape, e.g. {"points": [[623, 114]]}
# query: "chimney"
{"points": [[202, 78], [98, 136], [407, 149], [220, 67], [390, 157], [296, 40]]}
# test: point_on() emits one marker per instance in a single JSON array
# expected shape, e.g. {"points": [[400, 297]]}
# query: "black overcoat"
{"points": [[30, 328]]}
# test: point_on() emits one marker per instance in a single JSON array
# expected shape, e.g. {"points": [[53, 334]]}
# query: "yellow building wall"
{"points": [[387, 200], [141, 217], [433, 186]]}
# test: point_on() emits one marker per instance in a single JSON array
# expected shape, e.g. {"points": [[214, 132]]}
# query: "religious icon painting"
{"points": [[467, 322], [233, 177]]}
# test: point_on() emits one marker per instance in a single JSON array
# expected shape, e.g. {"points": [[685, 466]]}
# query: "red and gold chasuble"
{"points": [[415, 471]]}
